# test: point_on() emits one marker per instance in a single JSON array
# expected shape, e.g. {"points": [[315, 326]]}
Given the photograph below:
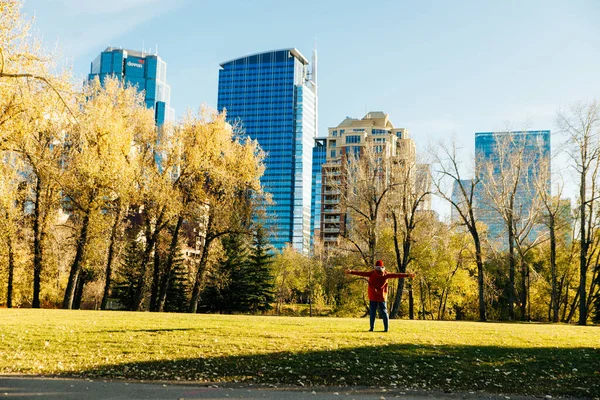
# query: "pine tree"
{"points": [[128, 275], [178, 290], [259, 276]]}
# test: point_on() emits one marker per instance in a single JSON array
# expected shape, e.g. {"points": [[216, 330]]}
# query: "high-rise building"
{"points": [[272, 97], [319, 158], [351, 137], [147, 72], [458, 198], [495, 154]]}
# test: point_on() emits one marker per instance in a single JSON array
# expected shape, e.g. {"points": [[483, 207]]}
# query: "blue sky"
{"points": [[439, 68]]}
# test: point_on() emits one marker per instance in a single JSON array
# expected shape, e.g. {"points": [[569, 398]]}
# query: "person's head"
{"points": [[379, 265]]}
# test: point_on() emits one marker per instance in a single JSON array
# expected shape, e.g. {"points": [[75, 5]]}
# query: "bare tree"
{"points": [[410, 190], [582, 126], [509, 196], [462, 201]]}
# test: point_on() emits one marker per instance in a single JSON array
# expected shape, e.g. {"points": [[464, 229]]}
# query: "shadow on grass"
{"points": [[526, 371], [150, 330]]}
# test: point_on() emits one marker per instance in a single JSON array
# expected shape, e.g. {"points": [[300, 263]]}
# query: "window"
{"points": [[332, 143], [332, 154], [352, 139]]}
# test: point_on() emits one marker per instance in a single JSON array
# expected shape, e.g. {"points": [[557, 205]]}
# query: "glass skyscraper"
{"points": [[272, 97], [319, 158], [147, 72], [496, 148]]}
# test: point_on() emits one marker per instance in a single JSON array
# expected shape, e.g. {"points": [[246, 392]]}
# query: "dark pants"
{"points": [[373, 305]]}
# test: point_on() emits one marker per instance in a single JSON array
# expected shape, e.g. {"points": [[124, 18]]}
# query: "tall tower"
{"points": [[147, 72], [272, 97], [497, 149]]}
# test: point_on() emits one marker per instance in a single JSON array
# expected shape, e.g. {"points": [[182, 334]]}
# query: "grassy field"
{"points": [[531, 359]]}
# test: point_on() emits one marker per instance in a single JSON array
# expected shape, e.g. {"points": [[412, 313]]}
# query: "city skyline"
{"points": [[449, 69]]}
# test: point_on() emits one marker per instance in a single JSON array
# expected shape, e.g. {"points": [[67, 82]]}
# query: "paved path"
{"points": [[25, 387]]}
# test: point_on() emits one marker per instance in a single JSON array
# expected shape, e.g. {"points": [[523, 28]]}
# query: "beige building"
{"points": [[349, 139]]}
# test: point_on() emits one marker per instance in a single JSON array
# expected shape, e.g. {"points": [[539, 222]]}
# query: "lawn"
{"points": [[527, 359]]}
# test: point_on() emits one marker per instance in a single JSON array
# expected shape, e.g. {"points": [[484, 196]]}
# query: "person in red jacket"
{"points": [[378, 288]]}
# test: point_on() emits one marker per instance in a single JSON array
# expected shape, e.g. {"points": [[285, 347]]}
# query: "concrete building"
{"points": [[349, 140]]}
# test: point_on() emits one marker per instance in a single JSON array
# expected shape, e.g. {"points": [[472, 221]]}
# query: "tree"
{"points": [[127, 278], [231, 166], [582, 127], [410, 191], [260, 276], [462, 201], [99, 159], [510, 195]]}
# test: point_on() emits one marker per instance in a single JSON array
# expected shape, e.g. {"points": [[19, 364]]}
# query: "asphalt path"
{"points": [[31, 387]]}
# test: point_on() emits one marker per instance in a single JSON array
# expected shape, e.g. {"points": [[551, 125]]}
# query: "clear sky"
{"points": [[438, 68]]}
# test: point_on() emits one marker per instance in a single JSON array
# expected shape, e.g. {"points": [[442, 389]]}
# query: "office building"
{"points": [[146, 72], [319, 158], [497, 155], [347, 141], [272, 97]]}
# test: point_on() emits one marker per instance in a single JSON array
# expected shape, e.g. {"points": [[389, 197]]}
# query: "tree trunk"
{"points": [[402, 265], [411, 302], [11, 272], [169, 266], [111, 254], [76, 265], [554, 295], [523, 294], [37, 244], [81, 281], [151, 238], [199, 274], [155, 280], [480, 281], [584, 248], [511, 271]]}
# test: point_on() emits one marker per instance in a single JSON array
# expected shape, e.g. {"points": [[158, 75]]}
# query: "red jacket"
{"points": [[378, 286]]}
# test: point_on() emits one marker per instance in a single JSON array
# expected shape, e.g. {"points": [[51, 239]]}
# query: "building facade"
{"points": [[497, 154], [347, 141], [272, 97], [319, 158], [146, 72]]}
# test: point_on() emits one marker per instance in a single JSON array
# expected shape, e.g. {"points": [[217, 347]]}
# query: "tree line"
{"points": [[99, 206]]}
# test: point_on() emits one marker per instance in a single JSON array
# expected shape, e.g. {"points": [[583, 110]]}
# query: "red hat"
{"points": [[379, 263]]}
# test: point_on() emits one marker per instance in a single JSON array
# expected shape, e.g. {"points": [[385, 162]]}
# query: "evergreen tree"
{"points": [[259, 276], [178, 289], [226, 289], [128, 276]]}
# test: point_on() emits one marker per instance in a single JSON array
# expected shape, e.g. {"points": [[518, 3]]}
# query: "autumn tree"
{"points": [[462, 199], [581, 124], [99, 159], [509, 195]]}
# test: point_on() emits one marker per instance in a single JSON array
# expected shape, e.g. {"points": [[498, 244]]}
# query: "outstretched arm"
{"points": [[359, 273], [407, 275]]}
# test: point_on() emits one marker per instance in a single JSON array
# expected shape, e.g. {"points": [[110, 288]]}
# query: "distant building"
{"points": [[458, 198], [534, 147], [350, 138], [146, 72], [272, 96], [319, 158]]}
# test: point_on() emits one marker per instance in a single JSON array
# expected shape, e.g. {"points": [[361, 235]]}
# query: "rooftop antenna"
{"points": [[156, 49], [314, 79]]}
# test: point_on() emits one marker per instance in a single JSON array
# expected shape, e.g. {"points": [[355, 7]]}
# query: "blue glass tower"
{"points": [[147, 72], [534, 146], [319, 158], [272, 96]]}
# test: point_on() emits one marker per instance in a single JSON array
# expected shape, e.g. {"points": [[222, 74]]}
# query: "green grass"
{"points": [[529, 359]]}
